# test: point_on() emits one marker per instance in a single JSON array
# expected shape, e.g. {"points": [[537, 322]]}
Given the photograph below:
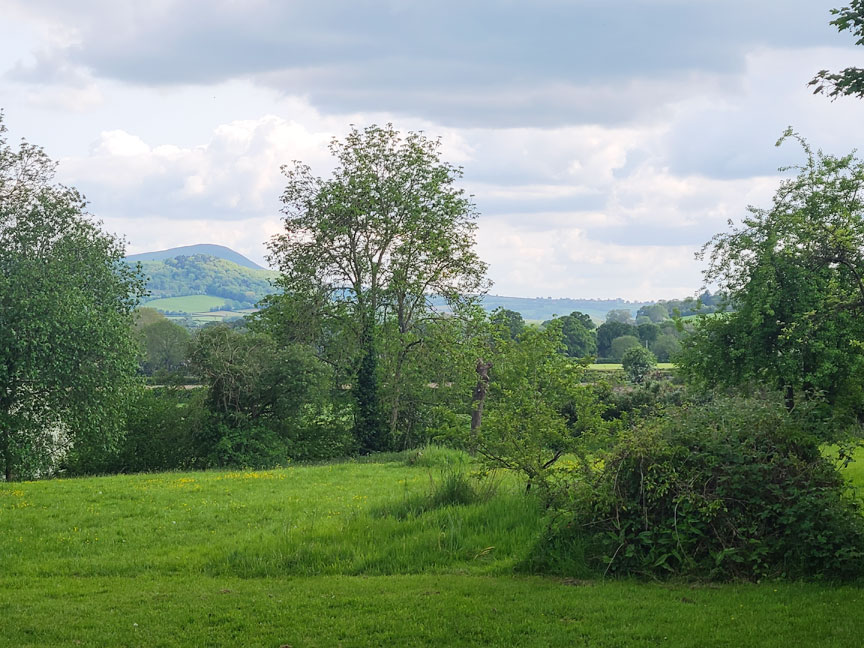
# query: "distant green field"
{"points": [[618, 367], [188, 304]]}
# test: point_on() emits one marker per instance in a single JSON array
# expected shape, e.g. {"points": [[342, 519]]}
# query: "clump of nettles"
{"points": [[737, 489]]}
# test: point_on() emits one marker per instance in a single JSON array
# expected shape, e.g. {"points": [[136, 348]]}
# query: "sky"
{"points": [[603, 141]]}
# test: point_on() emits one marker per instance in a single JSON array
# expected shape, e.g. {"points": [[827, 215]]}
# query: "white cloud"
{"points": [[599, 163]]}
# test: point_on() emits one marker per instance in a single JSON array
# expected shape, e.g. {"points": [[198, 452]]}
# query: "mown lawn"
{"points": [[341, 555]]}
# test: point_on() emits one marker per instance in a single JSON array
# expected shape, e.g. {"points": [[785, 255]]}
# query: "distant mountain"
{"points": [[198, 284], [218, 251]]}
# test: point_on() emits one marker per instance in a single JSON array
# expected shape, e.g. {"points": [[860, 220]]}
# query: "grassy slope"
{"points": [[317, 556], [188, 304]]}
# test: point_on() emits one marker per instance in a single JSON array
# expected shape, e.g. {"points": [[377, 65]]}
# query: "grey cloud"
{"points": [[460, 63], [527, 205]]}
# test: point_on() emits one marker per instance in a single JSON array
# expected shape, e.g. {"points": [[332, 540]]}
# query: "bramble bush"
{"points": [[733, 489]]}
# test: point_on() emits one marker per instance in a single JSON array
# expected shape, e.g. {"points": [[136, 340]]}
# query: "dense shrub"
{"points": [[637, 362], [733, 489], [162, 425]]}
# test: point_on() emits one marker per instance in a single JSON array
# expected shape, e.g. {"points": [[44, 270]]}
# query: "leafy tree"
{"points": [[576, 329], [623, 315], [145, 316], [578, 339], [620, 345], [508, 319], [362, 255], [654, 312], [583, 319], [848, 82], [537, 408], [665, 347], [648, 332], [795, 273], [165, 346], [67, 352], [607, 332], [637, 362], [268, 403]]}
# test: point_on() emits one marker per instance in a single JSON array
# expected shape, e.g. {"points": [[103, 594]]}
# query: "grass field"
{"points": [[188, 304], [344, 555], [618, 367]]}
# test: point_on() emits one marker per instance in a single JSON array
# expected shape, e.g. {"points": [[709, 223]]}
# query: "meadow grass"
{"points": [[665, 366], [349, 554], [188, 304]]}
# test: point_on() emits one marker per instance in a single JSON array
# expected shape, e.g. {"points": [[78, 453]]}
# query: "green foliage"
{"points": [[733, 489], [67, 353], [607, 332], [165, 346], [161, 432], [648, 332], [654, 312], [509, 320], [665, 347], [621, 345], [577, 335], [794, 273], [537, 409], [268, 403], [665, 309], [850, 81], [622, 315], [637, 362], [201, 274], [362, 255]]}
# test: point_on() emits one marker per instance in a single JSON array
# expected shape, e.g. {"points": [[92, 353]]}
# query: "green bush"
{"points": [[736, 489], [162, 425], [243, 444], [637, 362], [621, 345]]}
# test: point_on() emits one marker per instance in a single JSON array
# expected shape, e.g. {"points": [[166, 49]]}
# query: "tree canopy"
{"points": [[67, 352], [362, 256], [850, 81], [795, 273]]}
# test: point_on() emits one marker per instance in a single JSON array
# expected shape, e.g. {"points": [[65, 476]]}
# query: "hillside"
{"points": [[217, 251], [235, 286]]}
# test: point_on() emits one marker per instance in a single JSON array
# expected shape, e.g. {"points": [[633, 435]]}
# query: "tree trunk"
{"points": [[789, 398], [479, 399], [369, 429], [7, 455]]}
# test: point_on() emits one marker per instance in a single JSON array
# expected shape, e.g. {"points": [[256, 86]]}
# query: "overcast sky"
{"points": [[603, 140]]}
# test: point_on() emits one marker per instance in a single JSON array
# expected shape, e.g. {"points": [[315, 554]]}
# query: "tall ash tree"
{"points": [[361, 258], [67, 352]]}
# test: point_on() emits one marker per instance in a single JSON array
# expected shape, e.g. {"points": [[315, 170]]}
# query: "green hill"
{"points": [[217, 251], [225, 283]]}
